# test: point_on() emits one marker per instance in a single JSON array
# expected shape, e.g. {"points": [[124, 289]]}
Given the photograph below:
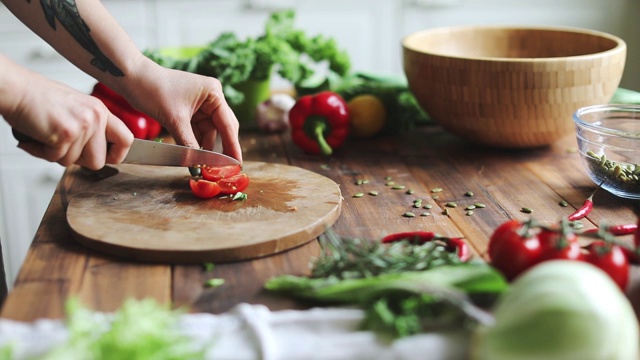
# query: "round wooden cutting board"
{"points": [[148, 213]]}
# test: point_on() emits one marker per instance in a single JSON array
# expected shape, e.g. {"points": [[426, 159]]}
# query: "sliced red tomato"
{"points": [[215, 173], [233, 184], [204, 189]]}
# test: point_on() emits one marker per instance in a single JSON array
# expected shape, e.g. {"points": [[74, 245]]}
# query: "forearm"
{"points": [[13, 79], [86, 34]]}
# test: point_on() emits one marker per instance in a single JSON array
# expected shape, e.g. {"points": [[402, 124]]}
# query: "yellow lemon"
{"points": [[367, 116]]}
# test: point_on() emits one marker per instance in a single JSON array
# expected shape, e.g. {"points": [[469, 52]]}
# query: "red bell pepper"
{"points": [[319, 123], [141, 125]]}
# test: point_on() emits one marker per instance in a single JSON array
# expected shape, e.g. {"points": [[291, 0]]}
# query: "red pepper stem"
{"points": [[319, 127]]}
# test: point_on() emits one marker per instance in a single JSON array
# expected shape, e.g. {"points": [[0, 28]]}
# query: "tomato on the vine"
{"points": [[557, 245], [204, 189], [234, 184], [216, 173], [513, 249], [611, 259]]}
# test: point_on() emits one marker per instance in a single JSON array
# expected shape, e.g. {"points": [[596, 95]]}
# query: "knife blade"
{"points": [[146, 152]]}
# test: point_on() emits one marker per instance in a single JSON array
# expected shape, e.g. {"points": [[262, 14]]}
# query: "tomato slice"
{"points": [[204, 189], [215, 173], [233, 184]]}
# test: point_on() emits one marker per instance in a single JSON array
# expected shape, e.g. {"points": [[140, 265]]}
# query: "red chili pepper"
{"points": [[457, 245], [141, 125], [460, 247], [618, 230], [418, 237], [583, 210], [636, 234], [319, 123]]}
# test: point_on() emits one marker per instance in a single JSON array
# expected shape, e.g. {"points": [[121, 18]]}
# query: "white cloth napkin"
{"points": [[254, 332]]}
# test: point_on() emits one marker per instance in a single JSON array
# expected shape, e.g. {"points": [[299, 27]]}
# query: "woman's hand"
{"points": [[191, 107], [68, 127]]}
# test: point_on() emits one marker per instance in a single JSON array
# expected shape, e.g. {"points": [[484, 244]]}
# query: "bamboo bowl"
{"points": [[511, 87]]}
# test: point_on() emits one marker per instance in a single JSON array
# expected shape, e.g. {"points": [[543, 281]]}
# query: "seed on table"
{"points": [[470, 207], [214, 282], [409, 214], [387, 177], [425, 214], [358, 195], [436, 190], [576, 225], [428, 206], [417, 205], [480, 205], [451, 204], [468, 194], [359, 182], [390, 183], [435, 197], [409, 192], [397, 187], [563, 203], [445, 212], [469, 213], [526, 210], [373, 193], [365, 181]]}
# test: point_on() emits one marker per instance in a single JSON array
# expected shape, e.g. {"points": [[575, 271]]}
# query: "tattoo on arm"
{"points": [[67, 14]]}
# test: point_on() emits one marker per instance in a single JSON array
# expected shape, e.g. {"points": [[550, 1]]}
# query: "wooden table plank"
{"points": [[103, 287], [57, 267]]}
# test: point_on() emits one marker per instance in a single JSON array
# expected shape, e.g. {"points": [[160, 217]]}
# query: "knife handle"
{"points": [[22, 137]]}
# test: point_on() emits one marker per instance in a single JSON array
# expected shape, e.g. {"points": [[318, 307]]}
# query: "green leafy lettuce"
{"points": [[282, 48]]}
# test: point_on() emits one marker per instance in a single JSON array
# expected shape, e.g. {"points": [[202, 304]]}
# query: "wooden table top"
{"points": [[58, 267]]}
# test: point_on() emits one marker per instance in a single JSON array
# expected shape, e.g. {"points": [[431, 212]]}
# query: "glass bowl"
{"points": [[609, 144]]}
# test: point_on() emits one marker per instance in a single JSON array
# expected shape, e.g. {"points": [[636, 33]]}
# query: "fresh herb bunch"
{"points": [[355, 258], [282, 48], [403, 288]]}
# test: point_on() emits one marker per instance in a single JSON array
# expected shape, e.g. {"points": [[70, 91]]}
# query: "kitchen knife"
{"points": [[146, 152]]}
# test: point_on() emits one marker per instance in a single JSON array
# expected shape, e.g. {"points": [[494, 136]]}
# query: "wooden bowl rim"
{"points": [[620, 44]]}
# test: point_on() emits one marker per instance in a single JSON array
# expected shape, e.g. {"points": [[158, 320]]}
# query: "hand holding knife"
{"points": [[145, 152]]}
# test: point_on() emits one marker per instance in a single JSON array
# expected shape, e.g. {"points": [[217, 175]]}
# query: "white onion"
{"points": [[560, 310]]}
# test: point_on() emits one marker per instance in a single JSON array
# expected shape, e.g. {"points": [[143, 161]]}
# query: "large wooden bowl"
{"points": [[511, 87]]}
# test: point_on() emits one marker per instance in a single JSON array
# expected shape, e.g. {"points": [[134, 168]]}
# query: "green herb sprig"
{"points": [[347, 258]]}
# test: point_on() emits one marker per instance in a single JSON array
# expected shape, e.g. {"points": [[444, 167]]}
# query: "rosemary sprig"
{"points": [[347, 258]]}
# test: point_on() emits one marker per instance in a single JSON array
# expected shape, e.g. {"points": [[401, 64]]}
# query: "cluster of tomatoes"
{"points": [[516, 246], [219, 180]]}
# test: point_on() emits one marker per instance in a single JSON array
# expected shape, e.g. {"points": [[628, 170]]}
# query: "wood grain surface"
{"points": [[148, 213], [57, 267]]}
